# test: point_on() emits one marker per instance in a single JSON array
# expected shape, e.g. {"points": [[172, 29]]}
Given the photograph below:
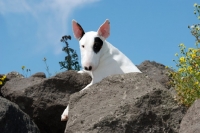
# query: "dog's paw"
{"points": [[64, 117], [81, 71]]}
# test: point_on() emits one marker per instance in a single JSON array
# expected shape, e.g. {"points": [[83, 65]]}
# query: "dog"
{"points": [[99, 58]]}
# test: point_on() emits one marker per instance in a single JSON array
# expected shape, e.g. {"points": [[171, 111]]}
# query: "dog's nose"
{"points": [[88, 68]]}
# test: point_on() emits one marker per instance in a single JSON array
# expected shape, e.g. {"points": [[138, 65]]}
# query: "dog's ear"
{"points": [[104, 29], [77, 29]]}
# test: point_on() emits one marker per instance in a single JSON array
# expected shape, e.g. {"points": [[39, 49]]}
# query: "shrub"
{"points": [[197, 10], [71, 60], [186, 79]]}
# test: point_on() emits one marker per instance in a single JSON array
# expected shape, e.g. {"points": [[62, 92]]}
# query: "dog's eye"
{"points": [[83, 46]]}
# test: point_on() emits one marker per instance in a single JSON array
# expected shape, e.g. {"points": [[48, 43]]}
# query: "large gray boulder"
{"points": [[44, 99], [126, 103], [191, 121], [155, 71], [14, 120]]}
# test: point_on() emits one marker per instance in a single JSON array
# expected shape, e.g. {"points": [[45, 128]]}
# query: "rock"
{"points": [[14, 74], [127, 103], [14, 120], [44, 99], [155, 71], [191, 121], [39, 75]]}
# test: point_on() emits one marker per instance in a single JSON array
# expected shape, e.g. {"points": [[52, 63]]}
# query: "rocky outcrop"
{"points": [[14, 120], [127, 103], [191, 121], [118, 104], [44, 99]]}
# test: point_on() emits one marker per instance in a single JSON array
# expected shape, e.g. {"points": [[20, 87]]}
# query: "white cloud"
{"points": [[51, 17]]}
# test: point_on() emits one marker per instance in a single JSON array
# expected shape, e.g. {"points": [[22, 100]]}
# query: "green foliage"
{"points": [[25, 72], [71, 60], [197, 10], [186, 80], [47, 67], [2, 80]]}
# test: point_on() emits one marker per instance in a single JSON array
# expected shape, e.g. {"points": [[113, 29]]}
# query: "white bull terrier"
{"points": [[98, 57]]}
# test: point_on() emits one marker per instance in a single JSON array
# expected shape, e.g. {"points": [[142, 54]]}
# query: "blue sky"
{"points": [[143, 30]]}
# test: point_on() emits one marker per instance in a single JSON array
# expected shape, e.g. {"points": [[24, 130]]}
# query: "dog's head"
{"points": [[91, 44]]}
